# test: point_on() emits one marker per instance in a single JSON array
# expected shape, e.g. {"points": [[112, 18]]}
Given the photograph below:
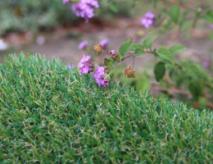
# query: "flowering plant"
{"points": [[83, 8], [167, 70]]}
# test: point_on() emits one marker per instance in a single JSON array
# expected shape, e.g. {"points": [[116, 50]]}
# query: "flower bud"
{"points": [[98, 48], [129, 72]]}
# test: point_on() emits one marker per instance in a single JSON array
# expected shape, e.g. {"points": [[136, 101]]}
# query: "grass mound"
{"points": [[51, 114]]}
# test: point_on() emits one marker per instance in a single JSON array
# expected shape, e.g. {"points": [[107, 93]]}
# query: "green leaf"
{"points": [[125, 47], [174, 13], [137, 49], [159, 70], [142, 82], [113, 8], [176, 49], [209, 16], [195, 89], [147, 42], [164, 54], [108, 62]]}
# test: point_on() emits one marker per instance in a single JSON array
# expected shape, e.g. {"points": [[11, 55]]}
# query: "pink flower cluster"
{"points": [[85, 64], [85, 8], [148, 19], [104, 43], [83, 45], [85, 67], [113, 53], [100, 77]]}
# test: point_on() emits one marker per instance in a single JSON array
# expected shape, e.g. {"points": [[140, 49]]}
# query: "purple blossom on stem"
{"points": [[85, 64], [83, 45], [66, 1], [113, 53], [148, 19], [104, 43], [82, 10], [100, 77], [85, 8], [91, 3]]}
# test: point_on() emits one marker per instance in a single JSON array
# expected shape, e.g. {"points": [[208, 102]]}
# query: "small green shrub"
{"points": [[49, 113], [25, 15]]}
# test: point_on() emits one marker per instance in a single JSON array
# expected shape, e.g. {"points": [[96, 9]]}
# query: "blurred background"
{"points": [[49, 28]]}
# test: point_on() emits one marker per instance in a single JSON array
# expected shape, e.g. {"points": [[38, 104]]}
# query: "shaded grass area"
{"points": [[49, 113]]}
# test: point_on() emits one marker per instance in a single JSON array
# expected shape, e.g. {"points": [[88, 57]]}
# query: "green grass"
{"points": [[50, 114]]}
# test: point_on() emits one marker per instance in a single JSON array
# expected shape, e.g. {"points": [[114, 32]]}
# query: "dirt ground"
{"points": [[63, 42]]}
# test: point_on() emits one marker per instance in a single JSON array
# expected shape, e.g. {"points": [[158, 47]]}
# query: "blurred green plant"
{"points": [[22, 15], [185, 74], [25, 15], [122, 8]]}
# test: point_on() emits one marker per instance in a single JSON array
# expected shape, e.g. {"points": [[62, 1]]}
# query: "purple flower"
{"points": [[211, 26], [83, 45], [91, 3], [85, 8], [66, 1], [85, 64], [104, 43], [148, 20], [100, 77], [113, 53], [82, 10]]}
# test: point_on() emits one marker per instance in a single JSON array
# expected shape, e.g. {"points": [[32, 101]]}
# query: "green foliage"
{"points": [[175, 14], [181, 15], [110, 8], [141, 82], [25, 15], [167, 54], [159, 70], [164, 54], [192, 76], [136, 48], [175, 49], [51, 114], [185, 74], [125, 47], [208, 16]]}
